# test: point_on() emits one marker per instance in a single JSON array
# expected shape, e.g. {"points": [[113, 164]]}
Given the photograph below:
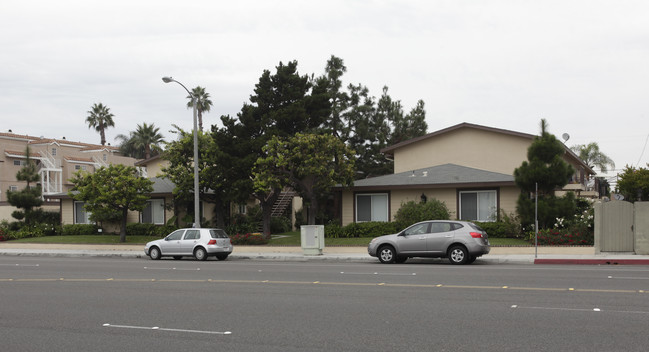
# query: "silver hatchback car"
{"points": [[199, 243], [459, 241]]}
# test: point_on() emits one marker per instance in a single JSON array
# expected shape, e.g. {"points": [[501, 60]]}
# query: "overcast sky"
{"points": [[581, 64]]}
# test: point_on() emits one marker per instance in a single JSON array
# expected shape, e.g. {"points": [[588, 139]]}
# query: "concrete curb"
{"points": [[609, 261], [547, 255]]}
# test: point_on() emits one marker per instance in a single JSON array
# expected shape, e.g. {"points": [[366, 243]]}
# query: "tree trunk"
{"points": [[122, 226], [267, 209], [313, 209], [219, 207]]}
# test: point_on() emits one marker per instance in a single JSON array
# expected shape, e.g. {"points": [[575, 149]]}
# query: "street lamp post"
{"points": [[197, 219]]}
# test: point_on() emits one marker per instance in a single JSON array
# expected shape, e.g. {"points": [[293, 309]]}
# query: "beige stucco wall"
{"points": [[347, 211], [154, 169], [468, 147], [399, 197]]}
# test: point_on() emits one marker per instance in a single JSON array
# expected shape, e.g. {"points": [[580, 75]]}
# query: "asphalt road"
{"points": [[98, 304]]}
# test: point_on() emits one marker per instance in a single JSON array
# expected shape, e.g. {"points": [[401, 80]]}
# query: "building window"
{"points": [[154, 212], [81, 216], [242, 209], [13, 188], [80, 167], [104, 157], [372, 207], [19, 162], [478, 205], [53, 151]]}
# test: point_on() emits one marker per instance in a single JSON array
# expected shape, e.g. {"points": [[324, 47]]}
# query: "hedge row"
{"points": [[362, 229]]}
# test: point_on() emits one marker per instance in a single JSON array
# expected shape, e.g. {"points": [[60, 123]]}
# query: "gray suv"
{"points": [[459, 241], [199, 243]]}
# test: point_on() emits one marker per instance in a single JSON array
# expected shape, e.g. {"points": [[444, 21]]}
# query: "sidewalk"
{"points": [[498, 255]]}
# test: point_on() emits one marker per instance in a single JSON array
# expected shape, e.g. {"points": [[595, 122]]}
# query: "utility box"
{"points": [[312, 239]]}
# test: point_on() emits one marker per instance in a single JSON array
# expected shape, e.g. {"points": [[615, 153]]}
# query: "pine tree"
{"points": [[29, 197]]}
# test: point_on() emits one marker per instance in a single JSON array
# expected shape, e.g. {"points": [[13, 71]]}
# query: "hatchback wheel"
{"points": [[221, 256], [154, 253], [387, 255], [458, 255], [200, 253]]}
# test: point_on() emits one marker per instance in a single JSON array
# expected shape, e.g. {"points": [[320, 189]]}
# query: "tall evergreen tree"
{"points": [[546, 168], [29, 197], [283, 104], [100, 118]]}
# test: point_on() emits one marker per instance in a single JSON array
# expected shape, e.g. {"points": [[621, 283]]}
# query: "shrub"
{"points": [[494, 229], [509, 226], [140, 229], [412, 212], [255, 239], [361, 229], [562, 237], [280, 224], [79, 229]]}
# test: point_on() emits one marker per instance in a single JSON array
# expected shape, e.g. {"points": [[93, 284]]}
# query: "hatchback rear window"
{"points": [[218, 233]]}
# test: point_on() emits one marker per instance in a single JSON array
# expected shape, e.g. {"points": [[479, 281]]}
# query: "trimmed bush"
{"points": [[254, 239], [79, 229], [362, 229], [412, 212], [140, 229]]}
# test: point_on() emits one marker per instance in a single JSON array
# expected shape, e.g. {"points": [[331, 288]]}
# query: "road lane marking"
{"points": [[377, 273], [628, 278], [224, 281], [27, 265], [180, 269], [596, 309], [167, 329]]}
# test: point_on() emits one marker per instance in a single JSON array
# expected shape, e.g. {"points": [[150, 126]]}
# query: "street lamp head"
{"points": [[167, 79]]}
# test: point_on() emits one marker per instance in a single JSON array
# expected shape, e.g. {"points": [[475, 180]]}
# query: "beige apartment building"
{"points": [[57, 161], [467, 166]]}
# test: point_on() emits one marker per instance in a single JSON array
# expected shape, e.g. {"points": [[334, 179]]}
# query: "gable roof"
{"points": [[32, 140], [390, 150], [440, 176]]}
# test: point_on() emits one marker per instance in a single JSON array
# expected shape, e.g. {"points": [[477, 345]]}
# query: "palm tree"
{"points": [[144, 142], [100, 118], [592, 156], [203, 103]]}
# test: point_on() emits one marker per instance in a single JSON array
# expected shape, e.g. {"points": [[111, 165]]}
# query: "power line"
{"points": [[643, 148]]}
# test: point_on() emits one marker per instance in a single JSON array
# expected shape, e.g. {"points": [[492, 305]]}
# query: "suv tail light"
{"points": [[476, 234], [211, 242]]}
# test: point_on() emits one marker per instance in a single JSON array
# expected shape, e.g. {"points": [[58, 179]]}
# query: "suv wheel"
{"points": [[458, 255], [387, 255]]}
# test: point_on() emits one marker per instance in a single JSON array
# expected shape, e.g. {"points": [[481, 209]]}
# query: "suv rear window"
{"points": [[476, 227], [218, 233]]}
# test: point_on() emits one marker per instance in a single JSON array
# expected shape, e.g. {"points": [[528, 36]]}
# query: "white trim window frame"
{"points": [[81, 215], [372, 207], [154, 212], [478, 205]]}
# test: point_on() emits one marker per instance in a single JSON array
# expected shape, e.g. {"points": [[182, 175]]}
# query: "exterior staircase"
{"points": [[284, 201], [51, 174]]}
